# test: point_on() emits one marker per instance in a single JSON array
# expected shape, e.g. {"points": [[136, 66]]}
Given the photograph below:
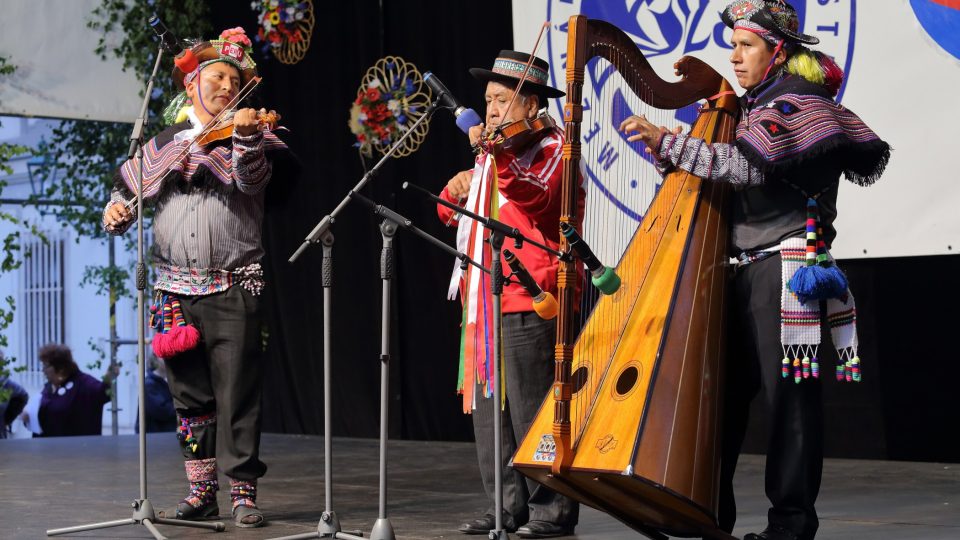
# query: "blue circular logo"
{"points": [[940, 19], [664, 30]]}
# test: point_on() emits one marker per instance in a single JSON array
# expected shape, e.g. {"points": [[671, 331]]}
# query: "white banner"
{"points": [[58, 74], [902, 60]]}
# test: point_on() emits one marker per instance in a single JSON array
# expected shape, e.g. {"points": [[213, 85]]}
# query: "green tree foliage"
{"points": [[87, 153], [11, 256]]}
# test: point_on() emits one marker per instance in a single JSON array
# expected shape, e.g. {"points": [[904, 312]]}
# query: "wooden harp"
{"points": [[631, 426]]}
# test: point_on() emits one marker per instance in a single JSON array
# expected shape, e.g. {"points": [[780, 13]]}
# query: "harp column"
{"points": [[567, 269]]}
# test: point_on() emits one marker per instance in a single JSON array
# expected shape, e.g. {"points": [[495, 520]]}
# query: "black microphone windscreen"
{"points": [[440, 91], [167, 39]]}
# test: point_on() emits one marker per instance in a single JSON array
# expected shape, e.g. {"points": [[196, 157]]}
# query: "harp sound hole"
{"points": [[627, 380], [579, 379]]}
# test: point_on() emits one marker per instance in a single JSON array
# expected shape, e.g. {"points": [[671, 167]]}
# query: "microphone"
{"points": [[603, 277], [167, 39], [183, 58], [466, 118], [543, 302]]}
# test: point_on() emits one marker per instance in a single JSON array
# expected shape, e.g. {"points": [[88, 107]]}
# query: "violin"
{"points": [[516, 135], [266, 121], [221, 127]]}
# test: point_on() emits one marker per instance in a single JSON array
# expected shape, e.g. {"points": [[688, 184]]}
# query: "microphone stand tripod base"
{"points": [[382, 530], [329, 525], [498, 535], [143, 514]]}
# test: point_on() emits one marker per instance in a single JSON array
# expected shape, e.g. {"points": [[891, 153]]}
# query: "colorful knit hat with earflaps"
{"points": [[174, 336], [764, 17], [233, 47]]}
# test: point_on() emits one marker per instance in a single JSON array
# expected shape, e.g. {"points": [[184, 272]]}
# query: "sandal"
{"points": [[247, 516]]}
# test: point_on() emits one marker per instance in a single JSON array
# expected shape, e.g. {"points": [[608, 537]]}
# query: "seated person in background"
{"points": [[72, 401], [161, 415], [13, 398]]}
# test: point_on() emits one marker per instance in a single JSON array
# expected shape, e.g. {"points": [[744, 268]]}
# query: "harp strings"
{"points": [[621, 184]]}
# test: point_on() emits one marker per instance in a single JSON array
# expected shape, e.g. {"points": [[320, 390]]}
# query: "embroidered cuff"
{"points": [[248, 142], [717, 161], [250, 165]]}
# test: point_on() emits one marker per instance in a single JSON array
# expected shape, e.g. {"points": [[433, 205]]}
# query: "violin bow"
{"points": [[230, 107], [516, 93]]}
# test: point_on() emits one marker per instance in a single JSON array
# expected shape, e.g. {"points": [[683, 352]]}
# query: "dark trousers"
{"points": [[528, 345], [795, 447], [222, 375]]}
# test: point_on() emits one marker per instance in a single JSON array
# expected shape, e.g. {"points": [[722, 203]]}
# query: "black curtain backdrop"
{"points": [[905, 408], [314, 97], [900, 411]]}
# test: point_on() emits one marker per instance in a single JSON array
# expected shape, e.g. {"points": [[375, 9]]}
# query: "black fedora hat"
{"points": [[508, 68], [775, 16]]}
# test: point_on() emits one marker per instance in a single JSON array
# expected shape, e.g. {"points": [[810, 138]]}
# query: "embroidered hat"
{"points": [[233, 47], [771, 19], [508, 68]]}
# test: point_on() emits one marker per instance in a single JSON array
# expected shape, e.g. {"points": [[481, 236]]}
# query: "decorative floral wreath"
{"points": [[285, 27], [389, 101]]}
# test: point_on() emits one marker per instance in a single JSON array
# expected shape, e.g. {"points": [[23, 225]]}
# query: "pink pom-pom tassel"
{"points": [[179, 339]]}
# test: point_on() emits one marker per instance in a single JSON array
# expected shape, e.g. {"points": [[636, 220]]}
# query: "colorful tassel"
{"points": [[819, 279], [185, 434], [785, 367], [174, 336]]}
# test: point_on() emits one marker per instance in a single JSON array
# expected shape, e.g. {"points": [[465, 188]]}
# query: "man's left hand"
{"points": [[245, 122]]}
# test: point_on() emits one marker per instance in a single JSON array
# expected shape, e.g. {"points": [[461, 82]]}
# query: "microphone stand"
{"points": [[498, 231], [388, 227], [405, 223], [492, 224], [143, 512], [329, 524]]}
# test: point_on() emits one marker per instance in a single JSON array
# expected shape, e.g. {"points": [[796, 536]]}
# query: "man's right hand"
{"points": [[116, 215], [459, 186]]}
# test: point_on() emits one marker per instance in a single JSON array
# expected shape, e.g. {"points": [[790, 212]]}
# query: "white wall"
{"points": [[86, 314]]}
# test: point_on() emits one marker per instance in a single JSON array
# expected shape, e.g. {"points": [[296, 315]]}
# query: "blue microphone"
{"points": [[466, 118]]}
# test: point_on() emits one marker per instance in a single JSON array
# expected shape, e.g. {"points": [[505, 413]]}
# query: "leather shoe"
{"points": [[772, 532], [482, 525], [543, 529]]}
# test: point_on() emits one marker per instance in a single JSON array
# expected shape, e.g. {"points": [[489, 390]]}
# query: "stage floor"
{"points": [[54, 483]]}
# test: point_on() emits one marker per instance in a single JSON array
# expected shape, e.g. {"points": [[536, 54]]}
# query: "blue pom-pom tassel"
{"points": [[818, 283], [836, 284]]}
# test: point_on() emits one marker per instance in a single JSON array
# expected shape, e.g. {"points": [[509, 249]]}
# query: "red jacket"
{"points": [[530, 195]]}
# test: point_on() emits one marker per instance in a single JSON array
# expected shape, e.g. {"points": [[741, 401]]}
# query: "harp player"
{"points": [[522, 186], [793, 143]]}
